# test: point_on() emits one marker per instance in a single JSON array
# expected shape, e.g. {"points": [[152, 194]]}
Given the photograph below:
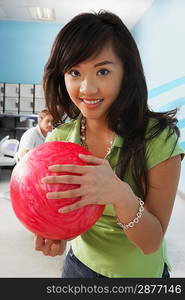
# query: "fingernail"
{"points": [[50, 167], [62, 210]]}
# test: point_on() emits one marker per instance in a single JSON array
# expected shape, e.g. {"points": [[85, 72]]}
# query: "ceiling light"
{"points": [[42, 13]]}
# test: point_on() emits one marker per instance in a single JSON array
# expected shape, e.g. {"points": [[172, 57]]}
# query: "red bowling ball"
{"points": [[28, 194]]}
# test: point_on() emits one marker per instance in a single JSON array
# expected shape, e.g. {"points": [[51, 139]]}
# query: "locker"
{"points": [[11, 105], [1, 89], [26, 90], [1, 104], [11, 90], [26, 105], [39, 104], [39, 93]]}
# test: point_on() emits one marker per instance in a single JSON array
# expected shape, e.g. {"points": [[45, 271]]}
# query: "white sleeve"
{"points": [[27, 140]]}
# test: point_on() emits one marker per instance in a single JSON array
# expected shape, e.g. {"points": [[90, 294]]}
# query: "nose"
{"points": [[88, 86]]}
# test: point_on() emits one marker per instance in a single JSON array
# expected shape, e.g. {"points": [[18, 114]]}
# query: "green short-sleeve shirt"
{"points": [[104, 247]]}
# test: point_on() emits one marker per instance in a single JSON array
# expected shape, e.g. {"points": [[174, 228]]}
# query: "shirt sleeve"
{"points": [[27, 141], [162, 147]]}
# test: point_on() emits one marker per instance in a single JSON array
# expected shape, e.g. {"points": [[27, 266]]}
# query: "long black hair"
{"points": [[85, 35]]}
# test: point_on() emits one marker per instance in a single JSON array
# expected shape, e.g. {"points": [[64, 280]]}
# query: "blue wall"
{"points": [[25, 47], [160, 38]]}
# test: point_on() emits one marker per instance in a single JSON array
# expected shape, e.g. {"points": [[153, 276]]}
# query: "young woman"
{"points": [[95, 73]]}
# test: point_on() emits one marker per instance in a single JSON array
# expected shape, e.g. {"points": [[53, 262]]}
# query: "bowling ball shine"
{"points": [[28, 194]]}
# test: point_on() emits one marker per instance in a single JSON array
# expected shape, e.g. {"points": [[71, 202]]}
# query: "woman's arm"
{"points": [[163, 182]]}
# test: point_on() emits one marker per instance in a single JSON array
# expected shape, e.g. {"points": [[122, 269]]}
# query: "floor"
{"points": [[17, 255], [19, 259]]}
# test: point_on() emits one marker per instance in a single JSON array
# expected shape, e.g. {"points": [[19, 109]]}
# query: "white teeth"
{"points": [[92, 101]]}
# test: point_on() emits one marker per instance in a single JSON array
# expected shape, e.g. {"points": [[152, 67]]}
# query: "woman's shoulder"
{"points": [[161, 143], [66, 125], [158, 130], [61, 131]]}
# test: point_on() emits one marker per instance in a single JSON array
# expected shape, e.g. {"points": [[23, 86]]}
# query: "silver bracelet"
{"points": [[135, 220]]}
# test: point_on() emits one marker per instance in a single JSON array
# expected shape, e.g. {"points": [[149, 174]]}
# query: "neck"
{"points": [[96, 125], [92, 131]]}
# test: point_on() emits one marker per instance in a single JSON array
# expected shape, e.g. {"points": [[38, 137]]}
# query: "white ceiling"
{"points": [[129, 10]]}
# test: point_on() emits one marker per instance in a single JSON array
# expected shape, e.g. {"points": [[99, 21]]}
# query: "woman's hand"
{"points": [[49, 247], [98, 183]]}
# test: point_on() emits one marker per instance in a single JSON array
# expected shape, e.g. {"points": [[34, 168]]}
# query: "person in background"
{"points": [[36, 135], [95, 73]]}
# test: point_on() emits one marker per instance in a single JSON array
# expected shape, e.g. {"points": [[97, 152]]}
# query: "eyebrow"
{"points": [[102, 63]]}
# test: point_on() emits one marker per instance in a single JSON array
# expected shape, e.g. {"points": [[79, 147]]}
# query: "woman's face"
{"points": [[94, 84]]}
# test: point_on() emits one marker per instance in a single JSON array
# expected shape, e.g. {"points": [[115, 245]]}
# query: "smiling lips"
{"points": [[91, 101]]}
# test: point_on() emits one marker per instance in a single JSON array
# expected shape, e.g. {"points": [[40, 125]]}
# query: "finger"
{"points": [[68, 168], [55, 248], [39, 242], [47, 247], [58, 247], [69, 179], [92, 159], [77, 192], [73, 206]]}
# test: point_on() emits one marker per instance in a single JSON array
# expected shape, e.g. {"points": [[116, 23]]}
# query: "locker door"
{"points": [[39, 105], [1, 105], [26, 105], [26, 90], [11, 90], [11, 105], [1, 89], [39, 93]]}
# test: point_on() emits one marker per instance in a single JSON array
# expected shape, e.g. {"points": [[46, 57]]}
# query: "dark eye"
{"points": [[74, 73], [103, 72]]}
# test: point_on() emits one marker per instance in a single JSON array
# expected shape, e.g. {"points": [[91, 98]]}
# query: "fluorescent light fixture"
{"points": [[42, 13], [2, 13]]}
